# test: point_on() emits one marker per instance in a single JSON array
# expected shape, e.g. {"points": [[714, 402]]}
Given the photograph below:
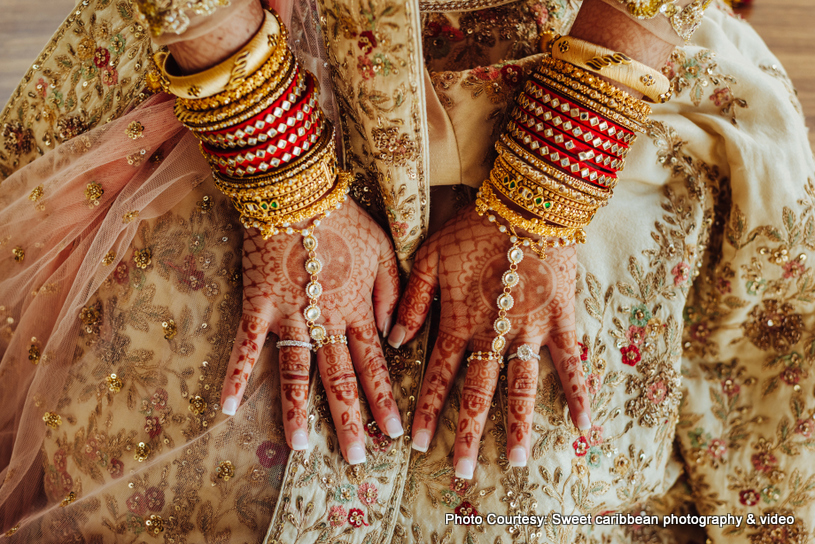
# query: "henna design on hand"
{"points": [[470, 257], [522, 388], [350, 244], [418, 297], [374, 367], [439, 376], [252, 328]]}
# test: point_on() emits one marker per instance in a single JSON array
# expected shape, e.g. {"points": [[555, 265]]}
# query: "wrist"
{"points": [[203, 52]]}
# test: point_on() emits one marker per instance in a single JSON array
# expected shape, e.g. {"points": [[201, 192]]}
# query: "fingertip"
{"points": [[583, 421], [465, 469], [517, 457], [393, 426], [386, 326], [299, 440], [355, 453], [230, 406], [397, 335], [421, 441]]}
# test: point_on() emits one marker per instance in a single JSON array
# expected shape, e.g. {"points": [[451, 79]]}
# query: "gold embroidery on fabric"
{"points": [[91, 70], [172, 17]]}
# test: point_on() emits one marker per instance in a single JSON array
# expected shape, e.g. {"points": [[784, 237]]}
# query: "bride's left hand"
{"points": [[467, 259]]}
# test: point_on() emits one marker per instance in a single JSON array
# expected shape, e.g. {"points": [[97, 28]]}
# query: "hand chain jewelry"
{"points": [[314, 289], [502, 325]]}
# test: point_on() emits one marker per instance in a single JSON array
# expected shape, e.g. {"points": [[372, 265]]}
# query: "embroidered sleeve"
{"points": [[672, 20], [175, 16]]}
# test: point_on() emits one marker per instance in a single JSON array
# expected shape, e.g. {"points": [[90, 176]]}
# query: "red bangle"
{"points": [[564, 124], [583, 115], [270, 155], [566, 142], [261, 127], [558, 157], [559, 160]]}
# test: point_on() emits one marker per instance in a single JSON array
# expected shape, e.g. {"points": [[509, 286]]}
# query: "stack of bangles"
{"points": [[566, 140], [270, 147]]}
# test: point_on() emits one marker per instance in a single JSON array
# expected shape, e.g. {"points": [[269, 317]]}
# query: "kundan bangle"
{"points": [[584, 96], [580, 123], [600, 90], [565, 143], [563, 161], [609, 63], [487, 200], [230, 73], [505, 174], [547, 176]]}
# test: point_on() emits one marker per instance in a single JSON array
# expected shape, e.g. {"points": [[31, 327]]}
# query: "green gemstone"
{"points": [[547, 205], [506, 180], [263, 205], [512, 185], [538, 200], [274, 205]]}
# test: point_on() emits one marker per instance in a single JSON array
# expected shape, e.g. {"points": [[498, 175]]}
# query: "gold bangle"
{"points": [[270, 70], [246, 107], [233, 71], [608, 93], [530, 190], [523, 195], [547, 176], [271, 225], [554, 216], [487, 200], [611, 64], [258, 207]]}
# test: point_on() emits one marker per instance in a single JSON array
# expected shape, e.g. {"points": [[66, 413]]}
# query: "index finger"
{"points": [[415, 304]]}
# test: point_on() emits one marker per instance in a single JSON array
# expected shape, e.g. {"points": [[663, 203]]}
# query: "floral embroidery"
{"points": [[356, 517], [367, 493], [498, 83], [773, 325], [337, 516], [631, 355], [698, 72]]}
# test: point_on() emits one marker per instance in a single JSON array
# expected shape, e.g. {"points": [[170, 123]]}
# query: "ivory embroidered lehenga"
{"points": [[120, 289]]}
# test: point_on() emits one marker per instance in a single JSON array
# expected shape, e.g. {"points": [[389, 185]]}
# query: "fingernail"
{"points": [[230, 406], [394, 427], [583, 422], [386, 327], [421, 441], [397, 335], [464, 469], [299, 440], [517, 457], [355, 453]]}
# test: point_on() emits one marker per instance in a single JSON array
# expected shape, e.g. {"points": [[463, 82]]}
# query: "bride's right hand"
{"points": [[360, 290]]}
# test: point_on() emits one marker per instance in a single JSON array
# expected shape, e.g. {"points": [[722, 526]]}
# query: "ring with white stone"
{"points": [[294, 344], [525, 353]]}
